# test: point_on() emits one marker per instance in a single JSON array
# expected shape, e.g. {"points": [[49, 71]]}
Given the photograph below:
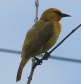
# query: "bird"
{"points": [[41, 37]]}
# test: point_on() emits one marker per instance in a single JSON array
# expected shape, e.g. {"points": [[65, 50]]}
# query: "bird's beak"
{"points": [[65, 15]]}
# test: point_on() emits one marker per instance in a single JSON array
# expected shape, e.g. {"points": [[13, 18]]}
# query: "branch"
{"points": [[47, 55], [31, 73], [37, 5], [65, 38], [33, 60]]}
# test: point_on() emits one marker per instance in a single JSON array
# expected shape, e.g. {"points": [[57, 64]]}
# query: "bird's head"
{"points": [[53, 14]]}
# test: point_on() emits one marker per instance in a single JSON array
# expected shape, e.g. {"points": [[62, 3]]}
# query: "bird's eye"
{"points": [[57, 12]]}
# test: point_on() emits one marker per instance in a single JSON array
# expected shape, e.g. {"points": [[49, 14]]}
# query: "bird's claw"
{"points": [[46, 56], [38, 61]]}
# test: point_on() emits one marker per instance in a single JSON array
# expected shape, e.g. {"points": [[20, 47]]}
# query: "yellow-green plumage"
{"points": [[41, 37]]}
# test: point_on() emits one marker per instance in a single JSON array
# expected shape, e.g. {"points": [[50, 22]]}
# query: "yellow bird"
{"points": [[41, 37]]}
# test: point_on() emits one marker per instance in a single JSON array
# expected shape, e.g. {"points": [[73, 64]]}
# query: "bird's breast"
{"points": [[54, 37]]}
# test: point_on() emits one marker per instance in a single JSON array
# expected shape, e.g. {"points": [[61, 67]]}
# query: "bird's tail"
{"points": [[20, 69]]}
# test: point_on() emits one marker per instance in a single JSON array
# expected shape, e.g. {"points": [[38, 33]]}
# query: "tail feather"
{"points": [[19, 73], [20, 69]]}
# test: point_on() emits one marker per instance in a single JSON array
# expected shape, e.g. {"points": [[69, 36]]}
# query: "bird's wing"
{"points": [[43, 36]]}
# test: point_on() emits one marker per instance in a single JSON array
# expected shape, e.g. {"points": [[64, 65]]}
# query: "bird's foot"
{"points": [[46, 56], [38, 61]]}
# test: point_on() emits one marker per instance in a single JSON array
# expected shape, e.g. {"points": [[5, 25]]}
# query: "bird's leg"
{"points": [[38, 61], [46, 56]]}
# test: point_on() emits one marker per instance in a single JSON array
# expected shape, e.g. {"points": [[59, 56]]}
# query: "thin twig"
{"points": [[33, 60], [37, 5], [65, 38], [31, 72]]}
